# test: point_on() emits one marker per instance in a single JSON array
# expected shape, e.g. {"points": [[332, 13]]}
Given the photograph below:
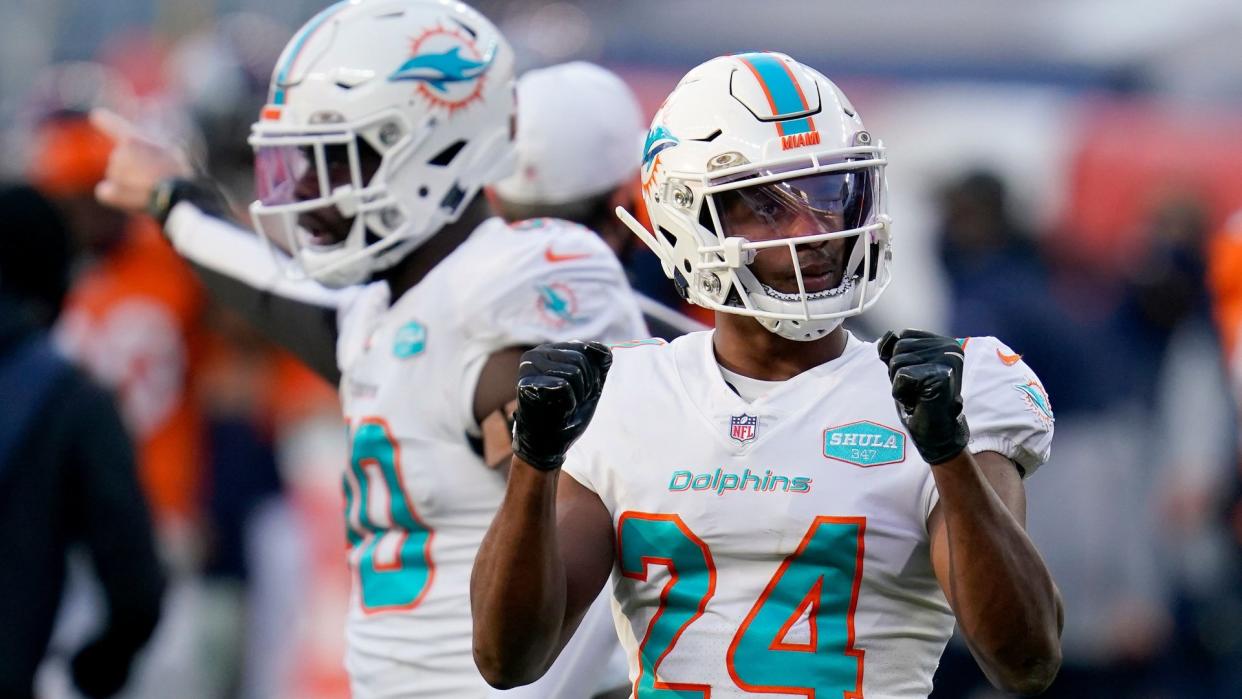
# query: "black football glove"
{"points": [[558, 387], [926, 372]]}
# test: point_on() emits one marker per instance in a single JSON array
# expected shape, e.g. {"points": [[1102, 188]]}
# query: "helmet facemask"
{"points": [[373, 175], [312, 183], [799, 245]]}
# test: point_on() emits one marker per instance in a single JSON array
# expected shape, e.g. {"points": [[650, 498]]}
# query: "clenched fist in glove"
{"points": [[558, 387], [926, 372]]}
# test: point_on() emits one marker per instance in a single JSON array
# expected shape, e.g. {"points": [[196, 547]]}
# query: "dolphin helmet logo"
{"points": [[658, 139], [439, 69], [447, 68]]}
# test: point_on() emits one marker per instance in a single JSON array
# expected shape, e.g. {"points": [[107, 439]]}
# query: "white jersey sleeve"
{"points": [[244, 273], [1006, 406], [223, 248], [544, 280]]}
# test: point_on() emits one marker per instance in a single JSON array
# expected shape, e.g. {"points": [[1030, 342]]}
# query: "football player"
{"points": [[385, 119], [578, 150], [781, 507]]}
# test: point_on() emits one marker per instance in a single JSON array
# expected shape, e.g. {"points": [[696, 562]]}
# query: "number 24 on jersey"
{"points": [[819, 581]]}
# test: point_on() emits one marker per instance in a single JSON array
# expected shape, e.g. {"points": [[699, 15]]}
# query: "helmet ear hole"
{"points": [[369, 160], [682, 286], [875, 260], [453, 198], [444, 157]]}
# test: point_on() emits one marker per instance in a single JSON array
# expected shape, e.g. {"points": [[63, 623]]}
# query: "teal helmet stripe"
{"points": [[282, 73], [783, 93]]}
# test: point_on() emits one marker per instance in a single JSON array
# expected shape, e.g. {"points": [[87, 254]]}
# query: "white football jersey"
{"points": [[781, 546], [418, 498]]}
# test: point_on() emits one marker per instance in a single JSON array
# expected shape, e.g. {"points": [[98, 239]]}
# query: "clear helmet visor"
{"points": [[277, 171], [803, 232], [827, 202], [345, 200], [308, 189], [311, 169]]}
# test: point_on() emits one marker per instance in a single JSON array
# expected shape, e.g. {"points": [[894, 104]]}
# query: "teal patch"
{"points": [[411, 340], [865, 443]]}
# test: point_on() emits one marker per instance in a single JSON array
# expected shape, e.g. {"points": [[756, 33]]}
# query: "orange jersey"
{"points": [[1225, 282], [132, 320]]}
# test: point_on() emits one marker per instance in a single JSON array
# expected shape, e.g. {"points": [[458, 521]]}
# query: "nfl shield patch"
{"points": [[743, 427]]}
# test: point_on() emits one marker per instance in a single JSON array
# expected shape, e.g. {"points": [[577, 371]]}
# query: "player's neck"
{"points": [[744, 346], [402, 276]]}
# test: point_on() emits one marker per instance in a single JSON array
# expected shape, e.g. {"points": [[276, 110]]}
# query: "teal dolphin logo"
{"points": [[558, 305], [1036, 399], [658, 139], [440, 69]]}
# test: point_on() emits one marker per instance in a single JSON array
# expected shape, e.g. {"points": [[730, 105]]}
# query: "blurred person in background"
{"points": [[264, 502], [1172, 382], [579, 145], [67, 473], [1080, 510], [370, 154], [1225, 283], [1126, 522], [133, 314], [137, 319]]}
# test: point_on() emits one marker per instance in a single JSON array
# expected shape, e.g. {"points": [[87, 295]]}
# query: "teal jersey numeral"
{"points": [[399, 580], [774, 651], [664, 540], [818, 582]]}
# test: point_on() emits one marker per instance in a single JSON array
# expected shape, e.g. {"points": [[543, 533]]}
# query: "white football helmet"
{"points": [[760, 142], [390, 112]]}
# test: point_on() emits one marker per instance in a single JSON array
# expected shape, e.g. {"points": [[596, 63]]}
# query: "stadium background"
{"points": [[1062, 175]]}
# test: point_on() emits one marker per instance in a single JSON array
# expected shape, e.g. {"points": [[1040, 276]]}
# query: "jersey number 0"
{"points": [[819, 582], [389, 545]]}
